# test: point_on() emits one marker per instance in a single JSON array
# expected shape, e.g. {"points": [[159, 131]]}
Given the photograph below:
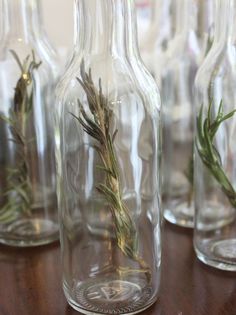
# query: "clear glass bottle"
{"points": [[205, 25], [143, 12], [215, 163], [108, 166], [28, 208], [155, 40], [178, 76]]}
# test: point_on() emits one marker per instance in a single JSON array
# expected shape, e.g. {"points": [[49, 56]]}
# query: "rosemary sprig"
{"points": [[189, 173], [18, 192], [206, 131], [96, 123], [190, 177]]}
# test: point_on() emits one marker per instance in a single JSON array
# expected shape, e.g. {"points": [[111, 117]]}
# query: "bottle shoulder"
{"points": [[14, 62], [117, 77], [42, 51], [219, 62]]}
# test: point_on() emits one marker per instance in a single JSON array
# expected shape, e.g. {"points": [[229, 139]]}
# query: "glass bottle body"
{"points": [[109, 179], [215, 176], [28, 212], [177, 94]]}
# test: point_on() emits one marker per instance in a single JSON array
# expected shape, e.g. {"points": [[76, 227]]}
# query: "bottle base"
{"points": [[29, 232], [181, 214], [220, 254], [113, 296]]}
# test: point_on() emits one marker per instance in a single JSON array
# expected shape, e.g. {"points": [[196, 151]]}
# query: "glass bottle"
{"points": [[205, 25], [155, 40], [178, 76], [215, 149], [28, 209], [108, 166], [143, 13]]}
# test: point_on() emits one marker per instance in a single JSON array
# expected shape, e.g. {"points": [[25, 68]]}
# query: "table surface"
{"points": [[30, 281]]}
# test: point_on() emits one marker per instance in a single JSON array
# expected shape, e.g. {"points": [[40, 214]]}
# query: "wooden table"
{"points": [[30, 281]]}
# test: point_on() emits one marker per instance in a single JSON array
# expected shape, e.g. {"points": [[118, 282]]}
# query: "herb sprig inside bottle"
{"points": [[210, 156], [97, 125], [18, 194]]}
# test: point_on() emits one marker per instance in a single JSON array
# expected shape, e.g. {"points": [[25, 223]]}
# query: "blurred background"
{"points": [[155, 26], [60, 27]]}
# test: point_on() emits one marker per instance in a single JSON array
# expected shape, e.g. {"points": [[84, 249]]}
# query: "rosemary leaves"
{"points": [[96, 123], [206, 131], [18, 194], [189, 173]]}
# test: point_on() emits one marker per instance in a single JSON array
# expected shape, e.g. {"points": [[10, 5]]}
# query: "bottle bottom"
{"points": [[29, 232], [110, 296], [181, 213], [218, 253]]}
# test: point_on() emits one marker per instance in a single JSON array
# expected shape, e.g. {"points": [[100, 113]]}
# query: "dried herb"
{"points": [[18, 194], [206, 131], [96, 123]]}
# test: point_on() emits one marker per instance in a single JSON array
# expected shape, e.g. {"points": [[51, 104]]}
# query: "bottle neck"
{"points": [[225, 22], [131, 30], [100, 26], [205, 17], [21, 19], [161, 13], [185, 16]]}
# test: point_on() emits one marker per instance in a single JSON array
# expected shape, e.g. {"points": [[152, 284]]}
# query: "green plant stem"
{"points": [[189, 175], [206, 131]]}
